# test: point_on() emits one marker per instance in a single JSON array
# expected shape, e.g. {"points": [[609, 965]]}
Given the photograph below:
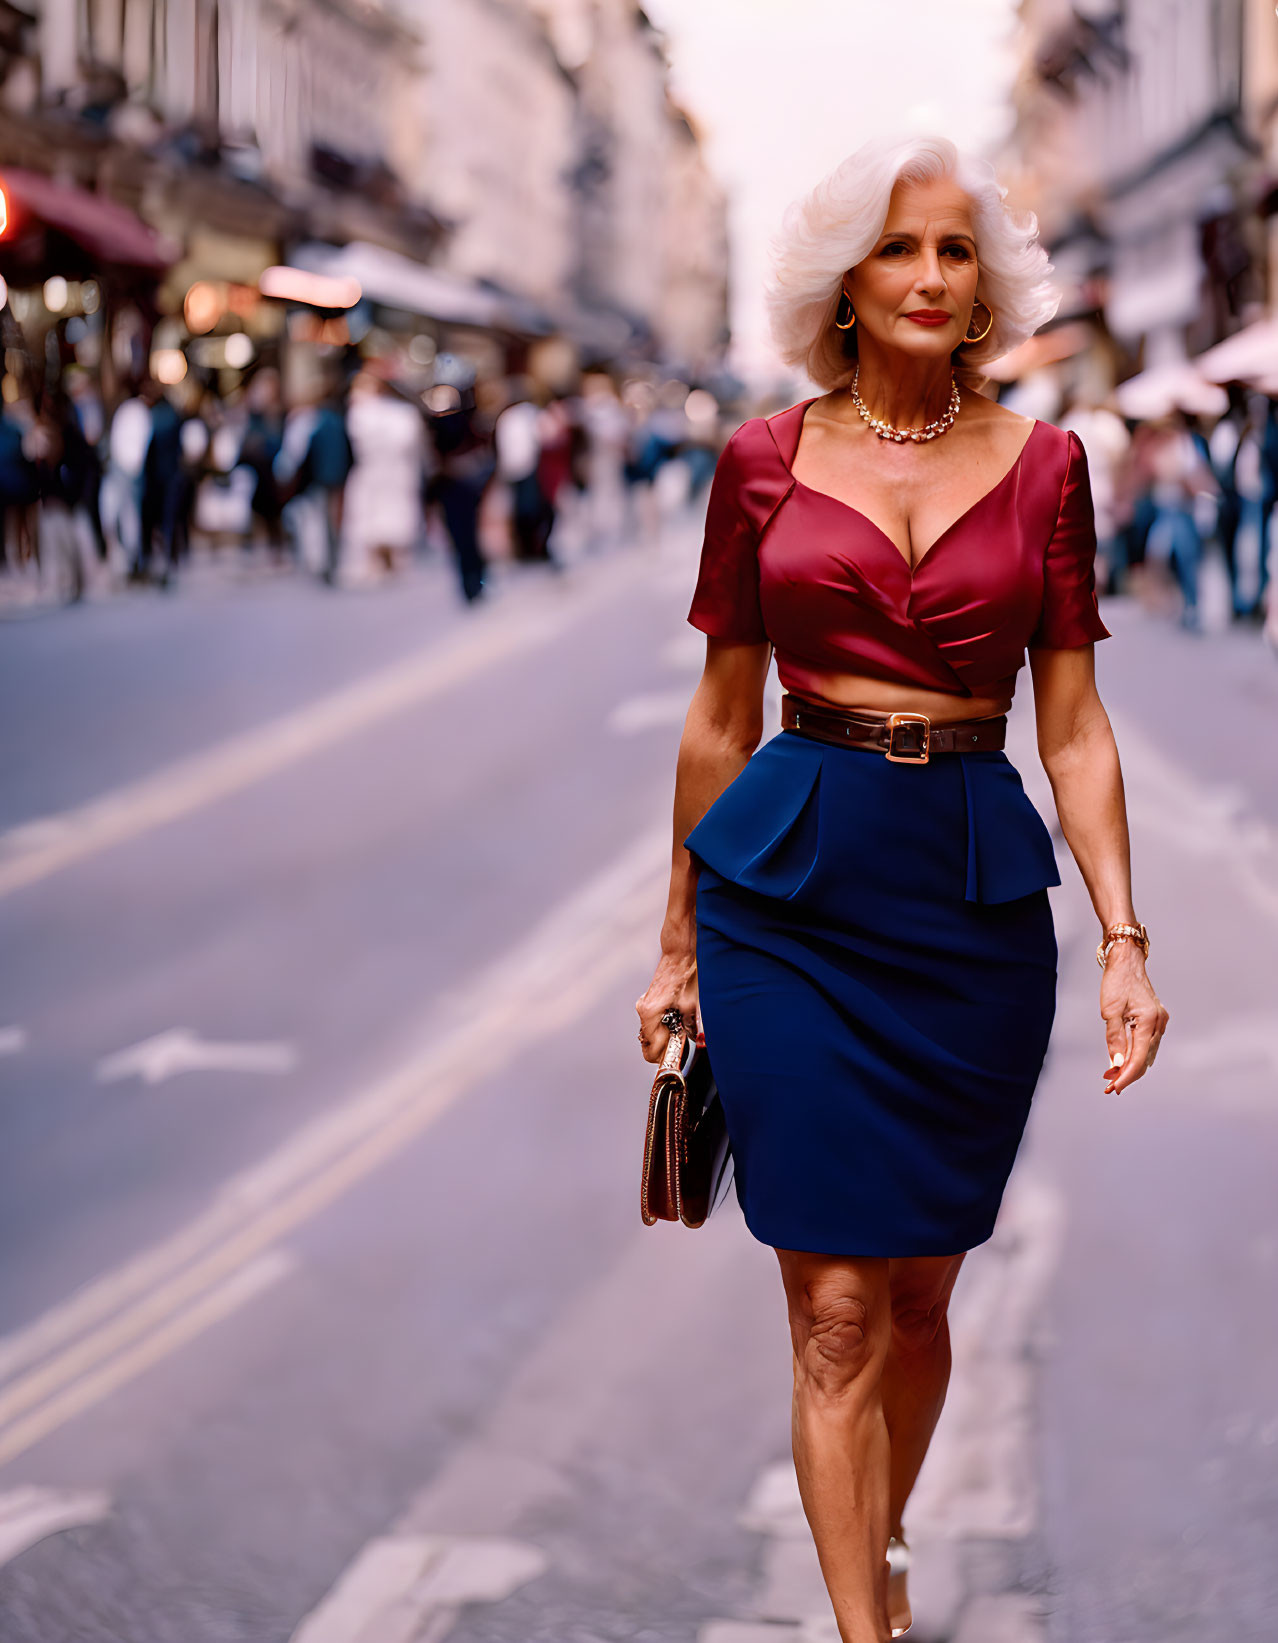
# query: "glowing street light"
{"points": [[239, 350], [317, 290]]}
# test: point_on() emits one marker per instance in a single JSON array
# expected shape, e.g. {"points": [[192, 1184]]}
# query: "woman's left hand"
{"points": [[1128, 1002]]}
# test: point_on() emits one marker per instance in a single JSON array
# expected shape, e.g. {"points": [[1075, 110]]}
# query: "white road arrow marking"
{"points": [[12, 1039], [180, 1050], [112, 1330], [398, 1582], [31, 1513]]}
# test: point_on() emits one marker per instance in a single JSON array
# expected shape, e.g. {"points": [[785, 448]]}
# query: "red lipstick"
{"points": [[929, 316]]}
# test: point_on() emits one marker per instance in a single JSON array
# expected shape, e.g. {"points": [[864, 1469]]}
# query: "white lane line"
{"points": [[108, 1376], [979, 1481], [460, 1024], [181, 1050], [747, 1631], [398, 1583], [12, 1040], [34, 850], [1198, 818], [586, 1377], [545, 984], [1003, 1617], [32, 1513], [649, 712]]}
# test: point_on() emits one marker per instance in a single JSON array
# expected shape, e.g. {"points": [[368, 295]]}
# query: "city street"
{"points": [[326, 1311]]}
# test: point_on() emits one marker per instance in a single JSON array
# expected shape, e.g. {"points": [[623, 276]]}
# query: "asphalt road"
{"points": [[325, 1309]]}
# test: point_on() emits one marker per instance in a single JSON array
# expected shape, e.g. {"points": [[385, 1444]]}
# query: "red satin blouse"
{"points": [[833, 593]]}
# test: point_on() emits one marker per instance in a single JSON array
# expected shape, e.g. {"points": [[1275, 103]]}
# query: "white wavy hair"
{"points": [[834, 227]]}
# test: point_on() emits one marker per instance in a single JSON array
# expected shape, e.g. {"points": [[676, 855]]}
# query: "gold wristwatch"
{"points": [[1121, 932]]}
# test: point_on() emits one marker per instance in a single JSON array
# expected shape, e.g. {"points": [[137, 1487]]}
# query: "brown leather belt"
{"points": [[904, 738]]}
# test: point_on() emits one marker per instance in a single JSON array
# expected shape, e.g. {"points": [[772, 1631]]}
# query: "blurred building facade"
{"points": [[651, 221], [538, 177], [694, 282], [495, 123], [1144, 139]]}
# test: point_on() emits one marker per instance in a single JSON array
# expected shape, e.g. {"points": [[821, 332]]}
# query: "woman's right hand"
{"points": [[673, 985]]}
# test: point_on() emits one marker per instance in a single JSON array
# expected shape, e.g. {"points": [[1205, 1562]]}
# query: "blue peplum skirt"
{"points": [[877, 970]]}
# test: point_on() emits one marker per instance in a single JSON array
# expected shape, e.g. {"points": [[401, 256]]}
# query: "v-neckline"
{"points": [[911, 571]]}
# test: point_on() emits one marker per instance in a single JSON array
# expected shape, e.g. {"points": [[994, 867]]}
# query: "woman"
{"points": [[383, 508], [858, 911]]}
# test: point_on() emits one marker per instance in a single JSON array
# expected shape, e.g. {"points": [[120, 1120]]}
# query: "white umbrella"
{"points": [[1247, 355], [1165, 388], [1044, 348]]}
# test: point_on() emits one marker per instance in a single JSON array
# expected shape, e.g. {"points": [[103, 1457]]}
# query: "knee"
{"points": [[916, 1324], [840, 1341]]}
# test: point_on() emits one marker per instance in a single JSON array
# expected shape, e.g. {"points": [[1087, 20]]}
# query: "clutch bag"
{"points": [[687, 1162]]}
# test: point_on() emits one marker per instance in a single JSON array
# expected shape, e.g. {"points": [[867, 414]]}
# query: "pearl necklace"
{"points": [[885, 430]]}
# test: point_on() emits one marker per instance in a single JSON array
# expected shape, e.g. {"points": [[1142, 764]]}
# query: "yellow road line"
{"points": [[34, 850], [563, 985], [474, 1014], [211, 1308]]}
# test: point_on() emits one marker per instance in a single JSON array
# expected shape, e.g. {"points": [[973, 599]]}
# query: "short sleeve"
{"points": [[1070, 615], [725, 604]]}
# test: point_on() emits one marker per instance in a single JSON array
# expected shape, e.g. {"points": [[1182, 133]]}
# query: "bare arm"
{"points": [[722, 729], [1077, 747]]}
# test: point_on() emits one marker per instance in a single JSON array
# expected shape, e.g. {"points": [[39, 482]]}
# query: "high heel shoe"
{"points": [[900, 1617]]}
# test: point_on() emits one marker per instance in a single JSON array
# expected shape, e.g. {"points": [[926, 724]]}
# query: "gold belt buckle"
{"points": [[907, 721]]}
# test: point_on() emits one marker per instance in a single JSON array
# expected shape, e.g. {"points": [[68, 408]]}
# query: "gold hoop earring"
{"points": [[981, 336], [844, 325]]}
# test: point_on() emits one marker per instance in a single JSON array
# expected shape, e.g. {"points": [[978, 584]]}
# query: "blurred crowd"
{"points": [[352, 479], [348, 480], [1179, 492]]}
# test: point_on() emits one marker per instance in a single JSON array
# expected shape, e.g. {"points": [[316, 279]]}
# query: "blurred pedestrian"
{"points": [[59, 456], [383, 509], [19, 491], [1222, 456], [518, 437], [128, 438], [1104, 436], [263, 437], [1179, 476], [556, 439], [700, 449], [161, 485], [86, 401], [1255, 474], [195, 438], [606, 426], [466, 464], [1133, 507], [315, 462], [658, 433]]}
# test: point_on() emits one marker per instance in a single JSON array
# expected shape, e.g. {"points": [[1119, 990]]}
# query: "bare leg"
{"points": [[917, 1371], [840, 1327]]}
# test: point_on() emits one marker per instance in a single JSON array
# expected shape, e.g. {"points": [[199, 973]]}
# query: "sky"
{"points": [[782, 90]]}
